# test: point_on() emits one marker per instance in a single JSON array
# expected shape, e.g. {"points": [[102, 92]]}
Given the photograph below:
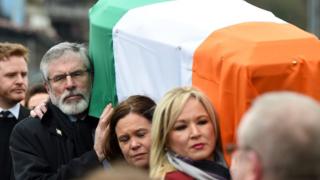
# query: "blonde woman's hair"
{"points": [[165, 115]]}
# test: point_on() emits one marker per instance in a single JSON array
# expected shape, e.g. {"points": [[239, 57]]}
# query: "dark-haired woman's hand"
{"points": [[39, 110], [102, 132]]}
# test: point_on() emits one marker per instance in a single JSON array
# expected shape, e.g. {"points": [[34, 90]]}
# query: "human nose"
{"points": [[134, 144], [20, 78], [69, 81], [194, 132]]}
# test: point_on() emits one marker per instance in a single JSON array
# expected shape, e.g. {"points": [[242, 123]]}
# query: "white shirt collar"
{"points": [[14, 110]]}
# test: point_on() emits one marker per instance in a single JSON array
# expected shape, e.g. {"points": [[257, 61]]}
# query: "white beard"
{"points": [[71, 108], [74, 108]]}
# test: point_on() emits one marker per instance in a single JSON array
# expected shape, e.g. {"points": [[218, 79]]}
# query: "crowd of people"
{"points": [[177, 138]]}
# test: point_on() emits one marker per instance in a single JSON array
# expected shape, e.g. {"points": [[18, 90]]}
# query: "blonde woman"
{"points": [[185, 138]]}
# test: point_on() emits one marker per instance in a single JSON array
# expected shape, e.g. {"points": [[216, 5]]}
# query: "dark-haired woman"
{"points": [[129, 135]]}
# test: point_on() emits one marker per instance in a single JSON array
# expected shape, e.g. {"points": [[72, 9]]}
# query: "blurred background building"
{"points": [[39, 24], [302, 13]]}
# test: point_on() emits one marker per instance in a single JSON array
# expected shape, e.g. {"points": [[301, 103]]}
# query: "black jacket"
{"points": [[6, 171], [54, 147]]}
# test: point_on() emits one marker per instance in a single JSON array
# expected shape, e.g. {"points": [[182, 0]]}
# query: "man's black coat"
{"points": [[53, 147]]}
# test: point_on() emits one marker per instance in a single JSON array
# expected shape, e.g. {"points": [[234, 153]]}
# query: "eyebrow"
{"points": [[63, 72], [140, 129], [123, 135], [180, 120], [200, 116]]}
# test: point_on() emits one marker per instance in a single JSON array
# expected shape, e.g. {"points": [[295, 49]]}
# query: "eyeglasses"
{"points": [[75, 75]]}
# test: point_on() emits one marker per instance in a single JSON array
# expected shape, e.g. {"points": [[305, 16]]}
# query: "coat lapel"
{"points": [[23, 113]]}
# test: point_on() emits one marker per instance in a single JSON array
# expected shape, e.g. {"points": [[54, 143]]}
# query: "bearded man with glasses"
{"points": [[66, 143]]}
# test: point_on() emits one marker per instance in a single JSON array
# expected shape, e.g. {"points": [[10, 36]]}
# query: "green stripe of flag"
{"points": [[103, 17]]}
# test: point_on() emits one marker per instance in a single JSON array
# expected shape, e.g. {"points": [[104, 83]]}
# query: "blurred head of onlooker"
{"points": [[119, 171], [36, 95], [279, 139]]}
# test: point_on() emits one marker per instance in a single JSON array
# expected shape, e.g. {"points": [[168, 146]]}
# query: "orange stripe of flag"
{"points": [[237, 63]]}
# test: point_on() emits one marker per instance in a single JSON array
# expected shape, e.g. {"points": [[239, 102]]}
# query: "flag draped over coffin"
{"points": [[230, 49]]}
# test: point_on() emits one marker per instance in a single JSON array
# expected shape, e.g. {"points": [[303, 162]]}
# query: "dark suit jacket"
{"points": [[53, 147], [23, 113], [6, 171]]}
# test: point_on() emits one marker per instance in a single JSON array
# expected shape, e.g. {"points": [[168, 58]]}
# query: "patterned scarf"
{"points": [[202, 170]]}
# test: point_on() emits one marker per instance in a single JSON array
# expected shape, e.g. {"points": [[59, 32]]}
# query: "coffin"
{"points": [[230, 49]]}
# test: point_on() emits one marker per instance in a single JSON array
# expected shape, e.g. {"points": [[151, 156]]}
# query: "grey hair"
{"points": [[61, 49], [283, 128]]}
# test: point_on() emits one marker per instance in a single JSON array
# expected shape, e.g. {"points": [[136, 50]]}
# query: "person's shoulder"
{"points": [[24, 109], [93, 121], [177, 175], [30, 123]]}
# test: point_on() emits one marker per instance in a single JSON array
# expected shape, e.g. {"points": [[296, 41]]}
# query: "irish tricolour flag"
{"points": [[230, 49]]}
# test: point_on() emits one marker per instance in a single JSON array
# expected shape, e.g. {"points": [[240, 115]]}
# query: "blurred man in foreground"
{"points": [[279, 139]]}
